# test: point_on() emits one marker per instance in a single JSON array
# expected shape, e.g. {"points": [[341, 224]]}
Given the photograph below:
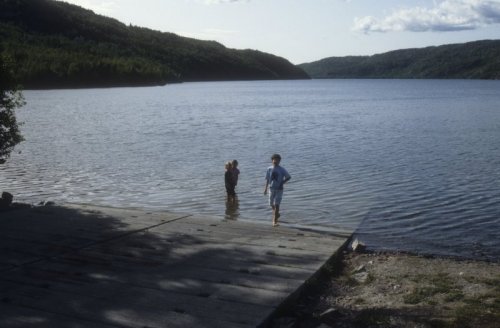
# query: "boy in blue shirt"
{"points": [[276, 177]]}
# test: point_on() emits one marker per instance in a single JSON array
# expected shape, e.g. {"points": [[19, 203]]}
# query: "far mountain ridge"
{"points": [[54, 44], [470, 60]]}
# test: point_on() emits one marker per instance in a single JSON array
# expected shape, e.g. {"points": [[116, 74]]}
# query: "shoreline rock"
{"points": [[6, 200]]}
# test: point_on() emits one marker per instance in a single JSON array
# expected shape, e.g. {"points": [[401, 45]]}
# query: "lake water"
{"points": [[413, 165]]}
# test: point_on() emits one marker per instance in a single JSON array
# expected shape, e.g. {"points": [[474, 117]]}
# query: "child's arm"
{"points": [[268, 177], [287, 177]]}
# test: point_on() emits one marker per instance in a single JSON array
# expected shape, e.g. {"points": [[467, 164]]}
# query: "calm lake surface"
{"points": [[413, 165]]}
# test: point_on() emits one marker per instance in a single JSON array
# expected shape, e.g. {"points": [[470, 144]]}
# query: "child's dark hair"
{"points": [[276, 156]]}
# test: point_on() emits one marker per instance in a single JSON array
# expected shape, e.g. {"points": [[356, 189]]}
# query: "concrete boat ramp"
{"points": [[87, 266]]}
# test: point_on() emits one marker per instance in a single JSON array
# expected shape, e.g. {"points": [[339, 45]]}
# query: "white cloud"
{"points": [[447, 15]]}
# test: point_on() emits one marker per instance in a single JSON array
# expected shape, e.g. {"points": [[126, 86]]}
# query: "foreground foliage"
{"points": [[10, 99]]}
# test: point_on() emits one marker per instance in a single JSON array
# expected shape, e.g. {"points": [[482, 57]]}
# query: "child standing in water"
{"points": [[276, 177], [236, 172], [229, 182]]}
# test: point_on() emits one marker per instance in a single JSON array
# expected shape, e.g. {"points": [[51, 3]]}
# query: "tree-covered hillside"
{"points": [[56, 44], [472, 60]]}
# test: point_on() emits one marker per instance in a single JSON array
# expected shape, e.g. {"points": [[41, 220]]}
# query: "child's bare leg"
{"points": [[276, 214]]}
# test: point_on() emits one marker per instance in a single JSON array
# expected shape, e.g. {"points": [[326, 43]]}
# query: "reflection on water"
{"points": [[415, 164], [232, 209]]}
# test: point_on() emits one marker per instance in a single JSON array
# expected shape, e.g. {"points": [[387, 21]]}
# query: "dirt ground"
{"points": [[399, 290]]}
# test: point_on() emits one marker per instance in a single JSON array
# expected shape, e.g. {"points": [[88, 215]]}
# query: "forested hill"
{"points": [[472, 60], [55, 44]]}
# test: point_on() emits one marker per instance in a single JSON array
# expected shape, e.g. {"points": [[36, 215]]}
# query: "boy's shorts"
{"points": [[275, 196]]}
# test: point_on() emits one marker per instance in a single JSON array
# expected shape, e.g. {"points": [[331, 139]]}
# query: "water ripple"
{"points": [[412, 165]]}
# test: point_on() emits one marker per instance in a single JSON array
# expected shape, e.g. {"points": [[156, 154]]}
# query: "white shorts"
{"points": [[275, 196]]}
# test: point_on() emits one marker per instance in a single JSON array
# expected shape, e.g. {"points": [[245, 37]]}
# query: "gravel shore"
{"points": [[399, 290]]}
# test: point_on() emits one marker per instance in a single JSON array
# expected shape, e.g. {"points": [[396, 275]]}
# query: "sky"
{"points": [[309, 30]]}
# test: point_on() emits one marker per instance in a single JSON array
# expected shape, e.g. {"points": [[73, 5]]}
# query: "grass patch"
{"points": [[454, 296], [482, 311], [371, 318], [370, 278], [441, 283]]}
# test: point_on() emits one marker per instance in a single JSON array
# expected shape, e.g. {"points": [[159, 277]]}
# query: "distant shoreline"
{"points": [[113, 86]]}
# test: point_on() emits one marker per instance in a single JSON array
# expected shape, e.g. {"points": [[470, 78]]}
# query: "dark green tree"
{"points": [[10, 99]]}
